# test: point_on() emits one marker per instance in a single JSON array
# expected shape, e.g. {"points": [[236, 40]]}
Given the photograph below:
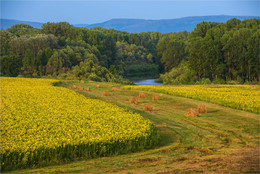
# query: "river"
{"points": [[147, 82]]}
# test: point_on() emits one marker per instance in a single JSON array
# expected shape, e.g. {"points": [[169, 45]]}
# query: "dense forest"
{"points": [[213, 52]]}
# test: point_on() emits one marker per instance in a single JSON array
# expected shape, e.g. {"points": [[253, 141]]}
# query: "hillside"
{"points": [[163, 25], [7, 23], [141, 25]]}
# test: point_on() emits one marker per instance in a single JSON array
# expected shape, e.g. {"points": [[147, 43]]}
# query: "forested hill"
{"points": [[8, 23], [164, 25], [141, 25], [218, 52]]}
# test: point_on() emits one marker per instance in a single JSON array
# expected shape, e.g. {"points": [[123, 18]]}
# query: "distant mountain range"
{"points": [[7, 23], [141, 25]]}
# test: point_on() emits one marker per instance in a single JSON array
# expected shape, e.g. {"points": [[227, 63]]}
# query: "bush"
{"points": [[92, 71], [219, 81], [232, 82], [94, 77], [179, 75], [203, 81]]}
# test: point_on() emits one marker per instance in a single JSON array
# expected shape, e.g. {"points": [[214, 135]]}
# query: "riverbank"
{"points": [[147, 82]]}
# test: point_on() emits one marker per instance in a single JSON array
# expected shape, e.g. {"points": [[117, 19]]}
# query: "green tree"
{"points": [[10, 65]]}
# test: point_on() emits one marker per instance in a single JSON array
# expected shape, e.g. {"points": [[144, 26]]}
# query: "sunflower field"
{"points": [[42, 124], [243, 97]]}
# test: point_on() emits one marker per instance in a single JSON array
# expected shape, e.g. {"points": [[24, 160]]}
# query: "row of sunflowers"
{"points": [[43, 124]]}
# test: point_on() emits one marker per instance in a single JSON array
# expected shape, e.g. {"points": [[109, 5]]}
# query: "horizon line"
{"points": [[133, 19]]}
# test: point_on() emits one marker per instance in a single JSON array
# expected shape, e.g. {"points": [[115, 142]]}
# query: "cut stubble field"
{"points": [[223, 140]]}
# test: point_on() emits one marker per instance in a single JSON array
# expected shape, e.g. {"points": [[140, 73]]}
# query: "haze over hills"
{"points": [[142, 25], [7, 23], [163, 25]]}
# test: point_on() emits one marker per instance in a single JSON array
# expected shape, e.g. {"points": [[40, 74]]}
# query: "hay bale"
{"points": [[133, 100], [98, 86], [74, 87], [192, 113], [114, 88], [156, 97], [87, 89], [105, 93], [141, 95], [82, 81], [80, 88], [148, 107], [202, 109]]}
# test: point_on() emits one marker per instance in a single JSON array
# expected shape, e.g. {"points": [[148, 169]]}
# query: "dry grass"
{"points": [[105, 93], [82, 81], [192, 113], [156, 97], [87, 89], [114, 88], [141, 95], [148, 107], [133, 100], [98, 86], [202, 109]]}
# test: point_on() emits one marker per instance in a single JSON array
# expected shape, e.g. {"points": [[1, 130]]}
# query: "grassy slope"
{"points": [[222, 140]]}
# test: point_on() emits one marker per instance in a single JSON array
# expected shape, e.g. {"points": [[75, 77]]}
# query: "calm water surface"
{"points": [[147, 82]]}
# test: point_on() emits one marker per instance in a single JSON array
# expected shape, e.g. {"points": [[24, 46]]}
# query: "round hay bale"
{"points": [[141, 95], [80, 88], [87, 89], [192, 113], [202, 109], [148, 107], [82, 81], [98, 86], [156, 97], [114, 88], [74, 87], [133, 100], [105, 93]]}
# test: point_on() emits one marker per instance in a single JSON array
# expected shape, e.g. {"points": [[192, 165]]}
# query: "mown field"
{"points": [[223, 140], [243, 97]]}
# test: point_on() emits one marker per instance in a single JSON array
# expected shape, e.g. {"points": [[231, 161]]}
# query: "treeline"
{"points": [[59, 49], [213, 52]]}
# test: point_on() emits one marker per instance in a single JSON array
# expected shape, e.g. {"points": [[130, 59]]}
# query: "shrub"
{"points": [[203, 81], [219, 81]]}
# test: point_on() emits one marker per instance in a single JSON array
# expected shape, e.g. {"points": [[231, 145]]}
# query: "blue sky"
{"points": [[88, 12]]}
